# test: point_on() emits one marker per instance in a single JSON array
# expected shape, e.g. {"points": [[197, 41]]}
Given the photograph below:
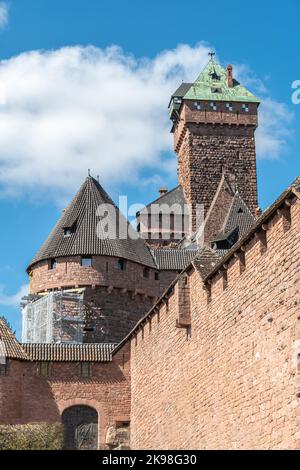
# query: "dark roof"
{"points": [[175, 196], [70, 352], [293, 189], [182, 90], [172, 259], [9, 346], [81, 216], [206, 261], [239, 215]]}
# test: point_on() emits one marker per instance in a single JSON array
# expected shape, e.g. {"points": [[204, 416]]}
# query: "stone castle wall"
{"points": [[231, 381], [25, 397]]}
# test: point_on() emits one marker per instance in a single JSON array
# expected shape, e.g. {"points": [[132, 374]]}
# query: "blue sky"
{"points": [[70, 107]]}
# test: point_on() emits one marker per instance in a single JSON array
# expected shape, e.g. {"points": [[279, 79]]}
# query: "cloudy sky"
{"points": [[85, 85]]}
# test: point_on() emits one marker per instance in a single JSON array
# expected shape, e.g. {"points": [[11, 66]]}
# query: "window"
{"points": [[216, 90], [53, 264], [3, 369], [121, 265], [197, 105], [44, 369], [246, 108], [156, 276], [86, 369], [229, 106], [146, 273], [213, 106], [67, 232], [86, 262]]}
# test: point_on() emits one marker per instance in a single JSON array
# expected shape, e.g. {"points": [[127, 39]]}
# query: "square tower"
{"points": [[214, 122]]}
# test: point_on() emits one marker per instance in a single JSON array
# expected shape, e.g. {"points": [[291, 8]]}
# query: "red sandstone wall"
{"points": [[27, 398], [104, 272], [118, 298], [234, 382], [10, 393]]}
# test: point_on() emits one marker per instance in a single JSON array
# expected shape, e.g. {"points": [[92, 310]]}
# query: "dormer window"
{"points": [[229, 106], [216, 90], [53, 263], [197, 105], [67, 232], [246, 107], [213, 106]]}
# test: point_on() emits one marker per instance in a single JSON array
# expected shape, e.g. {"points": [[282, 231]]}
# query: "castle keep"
{"points": [[185, 336]]}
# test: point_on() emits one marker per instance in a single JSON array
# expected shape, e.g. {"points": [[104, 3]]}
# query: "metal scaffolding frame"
{"points": [[56, 317]]}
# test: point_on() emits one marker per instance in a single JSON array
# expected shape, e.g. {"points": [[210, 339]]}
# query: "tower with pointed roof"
{"points": [[95, 253], [214, 122]]}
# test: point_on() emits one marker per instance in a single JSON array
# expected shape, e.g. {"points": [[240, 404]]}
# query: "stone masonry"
{"points": [[232, 380]]}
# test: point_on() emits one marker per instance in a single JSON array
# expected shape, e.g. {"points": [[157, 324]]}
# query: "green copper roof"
{"points": [[212, 85]]}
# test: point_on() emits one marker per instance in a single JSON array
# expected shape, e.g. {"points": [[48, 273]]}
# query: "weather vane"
{"points": [[211, 54]]}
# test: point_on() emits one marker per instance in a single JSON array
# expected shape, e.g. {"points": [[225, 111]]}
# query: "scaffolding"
{"points": [[56, 317]]}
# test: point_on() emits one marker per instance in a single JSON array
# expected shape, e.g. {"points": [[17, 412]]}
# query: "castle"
{"points": [[177, 336]]}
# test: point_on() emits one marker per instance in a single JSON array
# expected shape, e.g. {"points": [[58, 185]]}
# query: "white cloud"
{"points": [[83, 107], [13, 300], [3, 14], [274, 117]]}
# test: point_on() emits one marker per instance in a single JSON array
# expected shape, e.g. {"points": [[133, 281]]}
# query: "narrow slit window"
{"points": [[53, 264], [146, 273], [121, 265]]}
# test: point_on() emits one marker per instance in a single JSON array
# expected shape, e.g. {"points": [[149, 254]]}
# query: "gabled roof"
{"points": [[174, 196], [9, 346], [213, 77], [88, 234], [239, 215], [86, 352]]}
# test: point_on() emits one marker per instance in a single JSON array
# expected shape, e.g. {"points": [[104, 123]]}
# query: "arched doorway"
{"points": [[80, 428]]}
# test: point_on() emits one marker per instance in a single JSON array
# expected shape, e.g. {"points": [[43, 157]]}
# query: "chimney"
{"points": [[258, 212], [229, 77], [163, 191]]}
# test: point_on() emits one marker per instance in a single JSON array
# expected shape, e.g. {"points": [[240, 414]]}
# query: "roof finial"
{"points": [[89, 172], [98, 178], [211, 54]]}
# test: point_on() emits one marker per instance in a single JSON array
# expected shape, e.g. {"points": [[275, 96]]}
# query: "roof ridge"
{"points": [[166, 194]]}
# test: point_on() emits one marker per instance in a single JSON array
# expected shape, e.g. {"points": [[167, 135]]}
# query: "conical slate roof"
{"points": [[82, 230]]}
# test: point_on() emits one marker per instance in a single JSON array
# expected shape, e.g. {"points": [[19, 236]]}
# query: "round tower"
{"points": [[94, 251]]}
